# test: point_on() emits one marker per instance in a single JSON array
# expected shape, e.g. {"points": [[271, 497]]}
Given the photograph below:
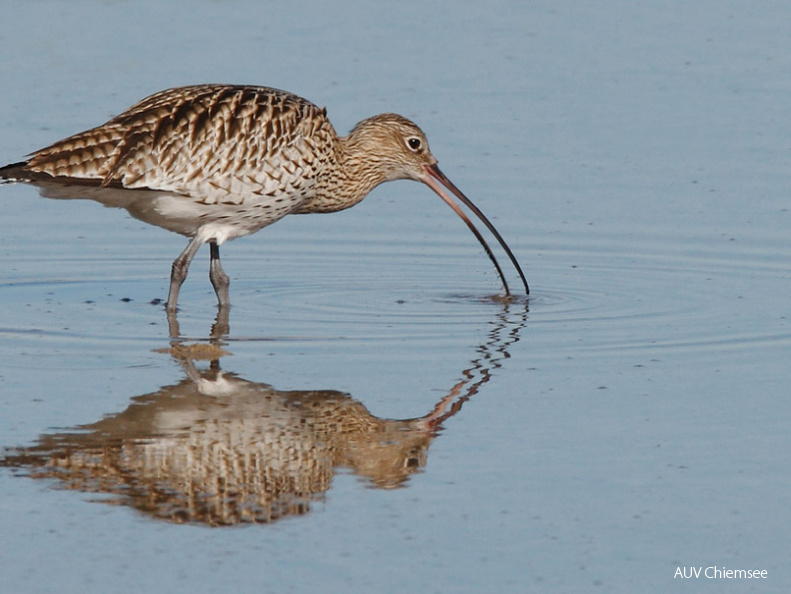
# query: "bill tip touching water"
{"points": [[217, 162]]}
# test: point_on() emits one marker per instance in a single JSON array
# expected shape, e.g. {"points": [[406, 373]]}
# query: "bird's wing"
{"points": [[216, 142]]}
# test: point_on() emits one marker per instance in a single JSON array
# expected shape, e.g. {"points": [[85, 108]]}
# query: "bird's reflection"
{"points": [[221, 450]]}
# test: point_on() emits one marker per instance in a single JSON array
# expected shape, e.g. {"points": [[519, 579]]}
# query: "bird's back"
{"points": [[218, 144]]}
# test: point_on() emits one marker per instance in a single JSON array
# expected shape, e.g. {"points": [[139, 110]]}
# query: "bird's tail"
{"points": [[15, 172]]}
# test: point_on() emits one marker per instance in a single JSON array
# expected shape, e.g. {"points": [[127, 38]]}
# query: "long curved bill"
{"points": [[437, 181]]}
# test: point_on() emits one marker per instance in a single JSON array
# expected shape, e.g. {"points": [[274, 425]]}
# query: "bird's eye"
{"points": [[413, 143]]}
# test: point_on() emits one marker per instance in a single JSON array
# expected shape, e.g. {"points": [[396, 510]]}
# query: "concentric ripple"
{"points": [[615, 293]]}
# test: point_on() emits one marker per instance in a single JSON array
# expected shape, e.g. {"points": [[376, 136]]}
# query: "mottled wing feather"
{"points": [[84, 156], [216, 143]]}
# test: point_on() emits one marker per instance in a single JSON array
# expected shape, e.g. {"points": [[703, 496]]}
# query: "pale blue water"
{"points": [[631, 420]]}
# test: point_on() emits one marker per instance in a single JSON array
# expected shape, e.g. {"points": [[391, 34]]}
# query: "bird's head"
{"points": [[393, 146], [388, 147]]}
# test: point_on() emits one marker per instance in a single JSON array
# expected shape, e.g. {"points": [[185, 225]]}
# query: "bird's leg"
{"points": [[219, 280], [174, 331], [178, 273], [221, 326]]}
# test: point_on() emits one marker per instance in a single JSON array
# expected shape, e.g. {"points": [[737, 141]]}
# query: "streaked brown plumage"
{"points": [[217, 162]]}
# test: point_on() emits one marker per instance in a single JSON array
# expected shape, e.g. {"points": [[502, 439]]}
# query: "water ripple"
{"points": [[661, 293]]}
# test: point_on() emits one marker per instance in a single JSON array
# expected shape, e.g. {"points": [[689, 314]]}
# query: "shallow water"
{"points": [[375, 419]]}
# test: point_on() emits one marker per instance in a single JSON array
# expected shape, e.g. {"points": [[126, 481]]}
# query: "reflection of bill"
{"points": [[220, 450]]}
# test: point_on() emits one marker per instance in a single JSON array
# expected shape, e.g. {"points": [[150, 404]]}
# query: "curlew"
{"points": [[217, 162]]}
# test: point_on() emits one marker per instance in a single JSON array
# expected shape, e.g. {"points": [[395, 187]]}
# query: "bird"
{"points": [[215, 162]]}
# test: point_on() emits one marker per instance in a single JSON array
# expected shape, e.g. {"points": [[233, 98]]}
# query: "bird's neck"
{"points": [[348, 178]]}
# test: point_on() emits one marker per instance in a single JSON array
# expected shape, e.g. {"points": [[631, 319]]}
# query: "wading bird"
{"points": [[217, 162]]}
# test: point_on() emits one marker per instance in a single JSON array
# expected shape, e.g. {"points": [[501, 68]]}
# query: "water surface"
{"points": [[374, 420]]}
